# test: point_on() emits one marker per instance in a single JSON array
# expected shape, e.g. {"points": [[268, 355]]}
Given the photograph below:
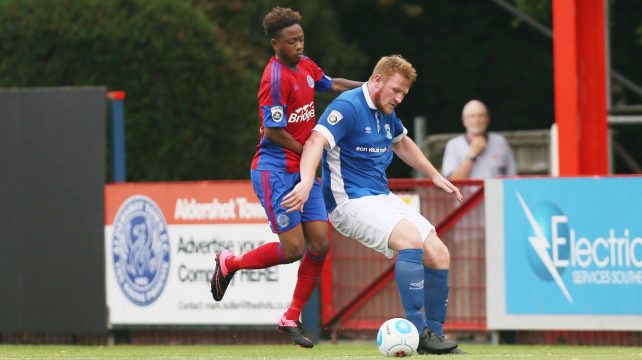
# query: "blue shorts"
{"points": [[272, 186]]}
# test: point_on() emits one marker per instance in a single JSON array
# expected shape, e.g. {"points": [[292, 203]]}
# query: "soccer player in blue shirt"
{"points": [[356, 135]]}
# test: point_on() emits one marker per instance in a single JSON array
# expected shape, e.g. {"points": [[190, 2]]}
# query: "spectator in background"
{"points": [[478, 154]]}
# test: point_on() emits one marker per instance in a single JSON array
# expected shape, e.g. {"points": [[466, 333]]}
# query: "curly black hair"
{"points": [[279, 18]]}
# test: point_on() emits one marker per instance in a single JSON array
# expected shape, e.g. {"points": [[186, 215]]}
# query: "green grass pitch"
{"points": [[323, 351]]}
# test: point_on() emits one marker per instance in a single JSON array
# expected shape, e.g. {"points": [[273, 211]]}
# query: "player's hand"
{"points": [[448, 187], [296, 198]]}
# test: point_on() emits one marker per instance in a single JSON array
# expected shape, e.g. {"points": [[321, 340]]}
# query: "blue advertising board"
{"points": [[566, 246]]}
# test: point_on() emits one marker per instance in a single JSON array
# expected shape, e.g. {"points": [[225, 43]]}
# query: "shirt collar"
{"points": [[468, 139], [366, 94]]}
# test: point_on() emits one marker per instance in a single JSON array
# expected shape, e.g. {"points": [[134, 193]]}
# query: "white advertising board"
{"points": [[160, 244]]}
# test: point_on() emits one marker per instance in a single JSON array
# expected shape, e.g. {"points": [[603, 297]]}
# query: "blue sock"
{"points": [[435, 298], [410, 281]]}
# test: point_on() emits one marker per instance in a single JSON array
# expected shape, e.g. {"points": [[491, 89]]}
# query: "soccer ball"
{"points": [[398, 338]]}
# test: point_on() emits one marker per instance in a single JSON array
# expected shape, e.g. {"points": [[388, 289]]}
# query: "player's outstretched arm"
{"points": [[410, 153], [340, 84], [312, 150]]}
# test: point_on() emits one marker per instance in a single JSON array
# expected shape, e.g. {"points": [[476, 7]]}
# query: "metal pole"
{"points": [[420, 135], [117, 106]]}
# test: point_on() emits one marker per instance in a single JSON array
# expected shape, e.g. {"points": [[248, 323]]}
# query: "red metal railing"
{"points": [[358, 290]]}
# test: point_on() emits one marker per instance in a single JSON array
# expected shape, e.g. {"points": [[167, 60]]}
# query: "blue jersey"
{"points": [[360, 138]]}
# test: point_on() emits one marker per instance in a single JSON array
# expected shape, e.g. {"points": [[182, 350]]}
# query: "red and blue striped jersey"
{"points": [[286, 100]]}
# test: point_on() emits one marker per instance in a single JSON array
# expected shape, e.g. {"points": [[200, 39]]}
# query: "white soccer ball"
{"points": [[398, 338]]}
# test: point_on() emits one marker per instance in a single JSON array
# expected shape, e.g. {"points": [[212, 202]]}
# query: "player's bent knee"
{"points": [[319, 243], [403, 243], [320, 247], [436, 255], [316, 235], [404, 236], [294, 252], [293, 249]]}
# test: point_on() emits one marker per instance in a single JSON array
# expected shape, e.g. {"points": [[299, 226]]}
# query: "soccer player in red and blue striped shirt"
{"points": [[287, 114]]}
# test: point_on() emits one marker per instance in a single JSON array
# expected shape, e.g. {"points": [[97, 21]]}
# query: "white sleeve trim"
{"points": [[400, 136], [326, 134]]}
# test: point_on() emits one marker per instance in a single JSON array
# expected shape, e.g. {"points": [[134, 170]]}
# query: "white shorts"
{"points": [[371, 219]]}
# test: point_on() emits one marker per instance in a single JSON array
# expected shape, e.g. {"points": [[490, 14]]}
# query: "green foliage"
{"points": [[540, 10], [240, 23], [191, 69], [462, 50], [187, 106]]}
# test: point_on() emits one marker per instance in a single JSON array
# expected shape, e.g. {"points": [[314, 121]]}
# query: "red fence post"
{"points": [[580, 86]]}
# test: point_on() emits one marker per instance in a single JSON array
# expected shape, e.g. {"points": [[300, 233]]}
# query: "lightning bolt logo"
{"points": [[541, 245]]}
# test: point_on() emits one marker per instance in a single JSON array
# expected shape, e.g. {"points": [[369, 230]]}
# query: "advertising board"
{"points": [[564, 253], [160, 244]]}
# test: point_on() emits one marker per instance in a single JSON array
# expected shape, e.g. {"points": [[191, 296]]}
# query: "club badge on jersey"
{"points": [[277, 113], [334, 117], [388, 132]]}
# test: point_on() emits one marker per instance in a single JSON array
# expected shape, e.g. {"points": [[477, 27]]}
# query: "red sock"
{"points": [[308, 277], [262, 257]]}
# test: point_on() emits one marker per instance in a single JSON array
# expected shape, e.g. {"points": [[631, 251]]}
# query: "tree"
{"points": [[190, 71], [239, 23], [188, 106]]}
